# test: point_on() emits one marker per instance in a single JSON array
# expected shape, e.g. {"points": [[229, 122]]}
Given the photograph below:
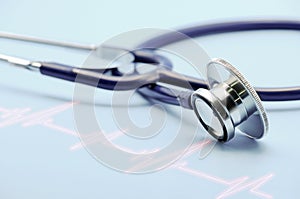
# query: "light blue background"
{"points": [[36, 161]]}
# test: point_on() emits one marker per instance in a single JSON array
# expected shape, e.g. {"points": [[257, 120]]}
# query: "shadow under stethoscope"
{"points": [[241, 143]]}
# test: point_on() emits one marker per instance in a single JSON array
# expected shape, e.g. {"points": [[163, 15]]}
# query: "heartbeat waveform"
{"points": [[94, 139], [234, 186], [26, 117]]}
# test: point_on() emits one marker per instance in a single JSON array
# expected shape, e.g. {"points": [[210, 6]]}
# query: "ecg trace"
{"points": [[26, 117], [234, 186]]}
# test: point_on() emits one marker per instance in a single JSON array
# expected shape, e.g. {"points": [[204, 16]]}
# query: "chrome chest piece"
{"points": [[230, 104]]}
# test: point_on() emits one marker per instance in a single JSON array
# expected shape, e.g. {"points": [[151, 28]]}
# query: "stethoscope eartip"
{"points": [[230, 104]]}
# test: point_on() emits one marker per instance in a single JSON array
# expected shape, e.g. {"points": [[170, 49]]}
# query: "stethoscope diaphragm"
{"points": [[231, 104]]}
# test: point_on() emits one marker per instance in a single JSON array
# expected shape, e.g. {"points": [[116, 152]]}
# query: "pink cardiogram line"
{"points": [[49, 123], [117, 134], [151, 161], [44, 117], [235, 186], [196, 147], [92, 139]]}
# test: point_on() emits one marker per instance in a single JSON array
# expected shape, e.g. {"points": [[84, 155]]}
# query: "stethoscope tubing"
{"points": [[266, 94], [149, 85]]}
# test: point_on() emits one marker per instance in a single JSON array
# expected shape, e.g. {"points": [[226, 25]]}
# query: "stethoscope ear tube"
{"points": [[265, 94]]}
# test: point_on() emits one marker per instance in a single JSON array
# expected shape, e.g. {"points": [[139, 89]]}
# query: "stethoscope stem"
{"points": [[51, 42], [266, 94], [22, 63]]}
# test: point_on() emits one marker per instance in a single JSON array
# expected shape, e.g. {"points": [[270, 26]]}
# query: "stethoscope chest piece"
{"points": [[231, 104]]}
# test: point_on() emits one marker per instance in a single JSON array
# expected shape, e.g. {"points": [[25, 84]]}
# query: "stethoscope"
{"points": [[223, 105]]}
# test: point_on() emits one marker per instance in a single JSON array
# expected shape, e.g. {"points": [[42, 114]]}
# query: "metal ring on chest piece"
{"points": [[230, 104]]}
